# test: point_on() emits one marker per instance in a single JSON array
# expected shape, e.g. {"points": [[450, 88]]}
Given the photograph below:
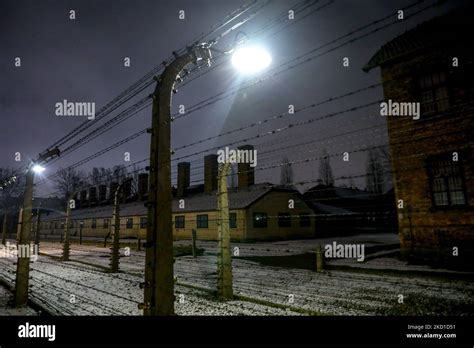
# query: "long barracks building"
{"points": [[257, 211]]}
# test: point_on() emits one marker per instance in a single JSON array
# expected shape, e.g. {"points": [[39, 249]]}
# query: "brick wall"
{"points": [[425, 231]]}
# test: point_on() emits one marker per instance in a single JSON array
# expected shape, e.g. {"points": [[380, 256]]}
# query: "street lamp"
{"points": [[37, 168], [23, 261], [250, 59], [158, 287], [159, 277]]}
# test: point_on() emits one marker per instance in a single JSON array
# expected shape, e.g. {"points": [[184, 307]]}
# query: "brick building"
{"points": [[432, 157]]}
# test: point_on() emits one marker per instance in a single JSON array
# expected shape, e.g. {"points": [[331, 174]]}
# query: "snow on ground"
{"points": [[69, 288], [5, 309], [331, 292], [295, 247], [383, 262]]}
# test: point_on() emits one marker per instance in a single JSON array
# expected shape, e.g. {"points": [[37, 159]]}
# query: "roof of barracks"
{"points": [[238, 199]]}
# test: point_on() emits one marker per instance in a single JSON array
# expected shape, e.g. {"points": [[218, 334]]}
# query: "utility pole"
{"points": [[4, 228], [224, 261], [114, 258], [159, 279], [23, 262]]}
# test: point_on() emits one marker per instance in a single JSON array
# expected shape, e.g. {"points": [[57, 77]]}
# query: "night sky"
{"points": [[82, 60]]}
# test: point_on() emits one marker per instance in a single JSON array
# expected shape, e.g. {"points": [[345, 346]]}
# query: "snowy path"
{"points": [[332, 292], [69, 288], [5, 297]]}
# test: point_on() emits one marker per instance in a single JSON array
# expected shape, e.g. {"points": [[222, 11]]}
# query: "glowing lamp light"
{"points": [[251, 59], [38, 169]]}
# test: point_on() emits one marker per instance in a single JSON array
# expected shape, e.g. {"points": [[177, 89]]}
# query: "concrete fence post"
{"points": [[319, 259], [224, 261], [38, 227], [193, 237], [66, 242], [115, 256], [4, 228]]}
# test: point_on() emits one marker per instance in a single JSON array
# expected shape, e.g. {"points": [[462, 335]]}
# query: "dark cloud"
{"points": [[82, 60]]}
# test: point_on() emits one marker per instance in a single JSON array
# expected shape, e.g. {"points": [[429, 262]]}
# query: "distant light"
{"points": [[251, 59], [38, 169]]}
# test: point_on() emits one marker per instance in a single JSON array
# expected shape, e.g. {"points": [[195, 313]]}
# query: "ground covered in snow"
{"points": [[82, 286], [6, 296]]}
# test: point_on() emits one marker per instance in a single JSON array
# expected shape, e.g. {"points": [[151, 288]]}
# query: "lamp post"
{"points": [[159, 258], [23, 262], [159, 280], [250, 59]]}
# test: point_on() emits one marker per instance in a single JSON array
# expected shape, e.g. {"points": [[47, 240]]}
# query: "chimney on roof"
{"points": [[126, 190], [184, 169], [210, 173], [142, 186], [83, 198], [246, 173], [102, 193], [93, 195]]}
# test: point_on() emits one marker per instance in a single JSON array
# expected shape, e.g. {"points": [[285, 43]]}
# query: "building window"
{"points": [[434, 92], [233, 220], [179, 221], [143, 222], [305, 220], [62, 225], [284, 220], [446, 181], [94, 223], [260, 220], [202, 221], [106, 223], [129, 223]]}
